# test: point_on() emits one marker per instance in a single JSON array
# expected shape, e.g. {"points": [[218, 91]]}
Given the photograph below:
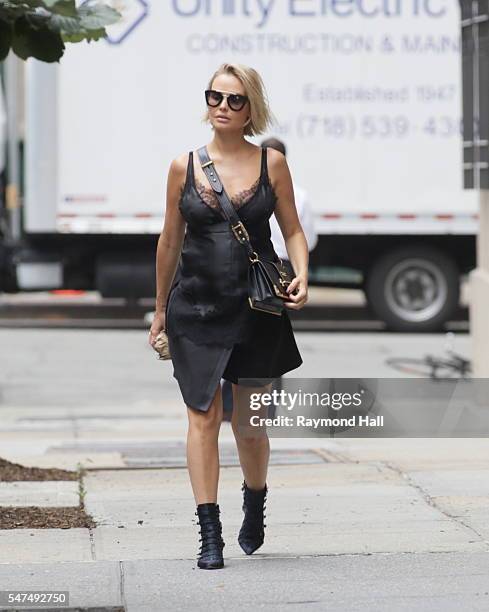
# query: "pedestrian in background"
{"points": [[306, 217], [304, 211]]}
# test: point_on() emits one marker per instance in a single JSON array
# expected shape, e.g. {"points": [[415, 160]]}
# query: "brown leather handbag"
{"points": [[267, 280]]}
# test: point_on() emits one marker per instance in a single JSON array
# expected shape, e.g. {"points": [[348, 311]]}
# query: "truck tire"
{"points": [[413, 289], [116, 276]]}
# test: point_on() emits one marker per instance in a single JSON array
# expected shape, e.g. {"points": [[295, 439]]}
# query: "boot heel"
{"points": [[252, 533], [210, 553]]}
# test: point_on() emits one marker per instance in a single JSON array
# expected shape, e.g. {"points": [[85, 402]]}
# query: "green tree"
{"points": [[40, 28]]}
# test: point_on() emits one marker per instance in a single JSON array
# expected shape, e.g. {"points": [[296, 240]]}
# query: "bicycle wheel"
{"points": [[428, 367]]}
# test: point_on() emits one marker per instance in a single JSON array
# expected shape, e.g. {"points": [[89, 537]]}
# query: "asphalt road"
{"points": [[333, 310]]}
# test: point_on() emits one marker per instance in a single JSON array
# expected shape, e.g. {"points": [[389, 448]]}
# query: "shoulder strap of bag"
{"points": [[239, 230]]}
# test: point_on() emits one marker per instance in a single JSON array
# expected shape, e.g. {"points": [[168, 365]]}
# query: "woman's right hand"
{"points": [[159, 323]]}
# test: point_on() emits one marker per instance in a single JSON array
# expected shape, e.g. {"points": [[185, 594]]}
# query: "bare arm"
{"points": [[170, 241], [290, 226]]}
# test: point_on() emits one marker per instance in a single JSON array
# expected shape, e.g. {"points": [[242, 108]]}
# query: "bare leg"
{"points": [[252, 442], [203, 450]]}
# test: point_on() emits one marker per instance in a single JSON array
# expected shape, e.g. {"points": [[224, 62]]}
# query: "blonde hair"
{"points": [[260, 114]]}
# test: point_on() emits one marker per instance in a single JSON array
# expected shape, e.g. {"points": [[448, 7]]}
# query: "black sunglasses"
{"points": [[235, 101]]}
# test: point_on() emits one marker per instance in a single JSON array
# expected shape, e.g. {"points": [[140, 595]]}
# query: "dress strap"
{"points": [[264, 162], [190, 172], [190, 165]]}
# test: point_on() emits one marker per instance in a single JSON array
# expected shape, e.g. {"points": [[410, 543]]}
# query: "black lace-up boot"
{"points": [[252, 532], [210, 553]]}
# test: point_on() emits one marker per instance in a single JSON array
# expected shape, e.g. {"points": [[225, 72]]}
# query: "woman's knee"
{"points": [[249, 436], [206, 421]]}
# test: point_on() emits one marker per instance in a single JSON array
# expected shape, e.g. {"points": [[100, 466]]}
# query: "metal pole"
{"points": [[476, 97], [12, 198], [476, 153]]}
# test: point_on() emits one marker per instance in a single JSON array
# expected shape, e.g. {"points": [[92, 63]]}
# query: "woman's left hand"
{"points": [[297, 291]]}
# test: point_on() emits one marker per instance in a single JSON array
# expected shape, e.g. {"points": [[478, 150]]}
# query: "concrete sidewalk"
{"points": [[352, 524]]}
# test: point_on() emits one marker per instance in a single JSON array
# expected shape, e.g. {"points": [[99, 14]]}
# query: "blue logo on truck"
{"points": [[133, 13]]}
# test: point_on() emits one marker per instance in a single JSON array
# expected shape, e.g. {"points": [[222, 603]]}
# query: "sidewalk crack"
{"points": [[331, 456], [431, 502], [92, 544], [122, 585]]}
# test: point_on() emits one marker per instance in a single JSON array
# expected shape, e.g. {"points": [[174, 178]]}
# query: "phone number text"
{"points": [[376, 126]]}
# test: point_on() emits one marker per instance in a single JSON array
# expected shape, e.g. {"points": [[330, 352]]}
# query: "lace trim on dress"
{"points": [[242, 197]]}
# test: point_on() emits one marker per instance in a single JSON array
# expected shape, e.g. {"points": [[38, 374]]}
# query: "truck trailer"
{"points": [[367, 97]]}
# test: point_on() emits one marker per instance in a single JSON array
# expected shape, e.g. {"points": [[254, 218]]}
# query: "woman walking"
{"points": [[212, 331]]}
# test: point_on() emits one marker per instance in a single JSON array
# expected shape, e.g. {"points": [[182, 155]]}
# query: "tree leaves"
{"points": [[33, 38], [5, 39], [39, 28]]}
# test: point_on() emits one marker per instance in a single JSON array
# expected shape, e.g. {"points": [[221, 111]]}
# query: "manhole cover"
{"points": [[173, 454]]}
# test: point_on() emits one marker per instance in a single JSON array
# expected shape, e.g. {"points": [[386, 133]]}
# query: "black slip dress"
{"points": [[213, 332]]}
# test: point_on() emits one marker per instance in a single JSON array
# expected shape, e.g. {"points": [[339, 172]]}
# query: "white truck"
{"points": [[367, 94]]}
